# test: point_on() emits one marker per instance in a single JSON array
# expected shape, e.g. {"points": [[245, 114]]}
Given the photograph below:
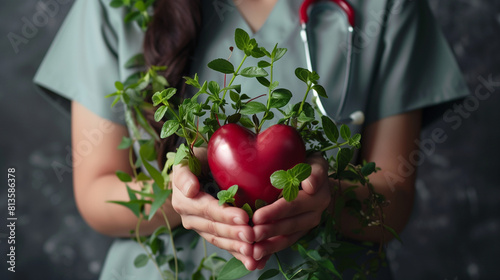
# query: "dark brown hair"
{"points": [[170, 41]]}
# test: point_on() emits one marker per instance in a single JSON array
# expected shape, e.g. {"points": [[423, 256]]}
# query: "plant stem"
{"points": [[270, 93], [138, 239], [304, 100], [174, 251], [279, 266], [234, 76], [333, 147]]}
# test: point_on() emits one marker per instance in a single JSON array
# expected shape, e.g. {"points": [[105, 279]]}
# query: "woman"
{"points": [[401, 64]]}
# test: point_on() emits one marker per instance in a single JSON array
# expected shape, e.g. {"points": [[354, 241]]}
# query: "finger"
{"points": [[234, 232], [262, 262], [275, 244], [248, 261], [319, 173], [282, 209], [303, 222], [204, 205], [243, 251], [185, 180]]}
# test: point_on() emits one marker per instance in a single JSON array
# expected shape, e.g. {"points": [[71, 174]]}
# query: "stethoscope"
{"points": [[356, 117]]}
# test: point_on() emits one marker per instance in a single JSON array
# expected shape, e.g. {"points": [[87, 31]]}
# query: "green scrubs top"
{"points": [[400, 62]]}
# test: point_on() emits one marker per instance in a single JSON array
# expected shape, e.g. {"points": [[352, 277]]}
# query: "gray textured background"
{"points": [[455, 227]]}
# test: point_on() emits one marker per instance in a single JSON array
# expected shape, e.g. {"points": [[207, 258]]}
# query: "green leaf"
{"points": [[355, 140], [234, 118], [144, 123], [263, 64], [303, 118], [118, 85], [197, 276], [301, 171], [280, 97], [182, 152], [155, 174], [331, 131], [142, 177], [344, 156], [161, 260], [320, 91], [241, 38], [125, 143], [345, 132], [290, 192], [124, 177], [213, 87], [280, 179], [221, 65], [163, 96], [235, 97], [269, 274], [132, 16], [135, 61], [302, 74], [280, 52], [194, 165], [161, 196], [193, 81], [139, 5], [263, 81], [368, 168], [259, 203], [246, 122], [253, 71], [160, 112], [246, 207], [141, 260], [169, 128], [227, 196], [253, 107], [116, 3], [233, 269], [236, 87]]}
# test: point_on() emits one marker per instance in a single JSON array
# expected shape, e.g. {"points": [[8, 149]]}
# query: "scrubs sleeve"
{"points": [[82, 63], [417, 68]]}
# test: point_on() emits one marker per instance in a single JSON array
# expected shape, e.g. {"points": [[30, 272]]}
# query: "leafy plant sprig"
{"points": [[183, 119]]}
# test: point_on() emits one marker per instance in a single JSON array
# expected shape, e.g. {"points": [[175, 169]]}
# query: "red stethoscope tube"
{"points": [[346, 7]]}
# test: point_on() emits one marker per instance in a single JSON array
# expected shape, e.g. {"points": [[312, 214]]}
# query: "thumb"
{"points": [[319, 174], [185, 181]]}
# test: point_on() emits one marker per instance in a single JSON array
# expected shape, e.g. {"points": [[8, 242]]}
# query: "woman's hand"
{"points": [[279, 225], [224, 226]]}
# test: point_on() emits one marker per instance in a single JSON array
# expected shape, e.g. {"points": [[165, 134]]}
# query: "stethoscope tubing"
{"points": [[304, 19]]}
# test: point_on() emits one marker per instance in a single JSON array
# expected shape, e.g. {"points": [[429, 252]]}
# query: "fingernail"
{"points": [[188, 188], [260, 256], [242, 251], [238, 221], [259, 236], [243, 237]]}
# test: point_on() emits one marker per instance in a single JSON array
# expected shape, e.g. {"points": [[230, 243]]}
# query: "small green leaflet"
{"points": [[290, 179], [221, 65], [253, 71], [233, 269], [330, 129], [227, 196]]}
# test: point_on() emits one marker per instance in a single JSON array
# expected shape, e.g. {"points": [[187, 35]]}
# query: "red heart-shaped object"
{"points": [[237, 156]]}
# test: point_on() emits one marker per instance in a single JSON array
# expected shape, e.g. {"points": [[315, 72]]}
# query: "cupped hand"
{"points": [[224, 226], [279, 225]]}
